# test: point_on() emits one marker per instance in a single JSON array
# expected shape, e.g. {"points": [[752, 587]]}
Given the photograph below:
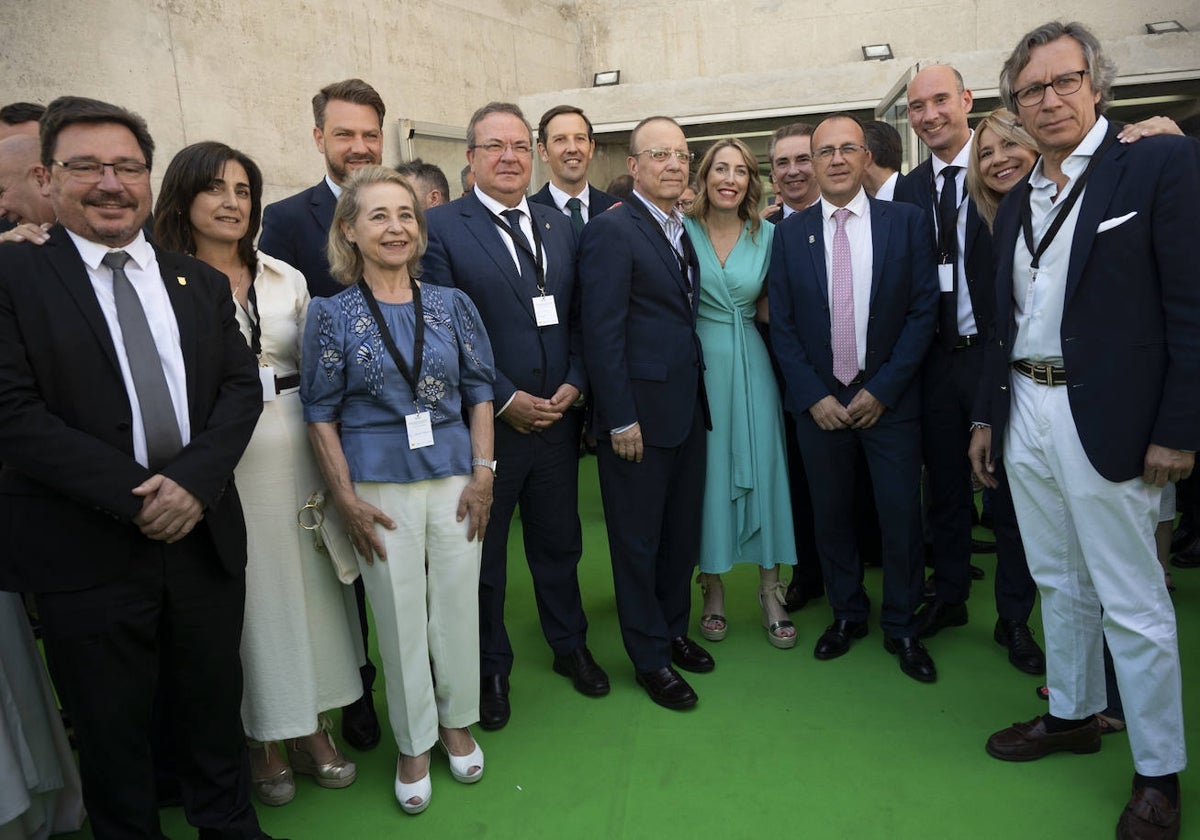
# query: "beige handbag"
{"points": [[330, 535]]}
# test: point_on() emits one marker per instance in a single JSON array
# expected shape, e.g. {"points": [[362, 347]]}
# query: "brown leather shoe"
{"points": [[1030, 741], [1149, 816]]}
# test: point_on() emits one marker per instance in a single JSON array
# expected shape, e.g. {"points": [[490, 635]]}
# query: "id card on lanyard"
{"points": [[419, 424], [545, 313]]}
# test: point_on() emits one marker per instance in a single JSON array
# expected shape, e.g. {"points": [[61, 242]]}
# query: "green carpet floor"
{"points": [[780, 745]]}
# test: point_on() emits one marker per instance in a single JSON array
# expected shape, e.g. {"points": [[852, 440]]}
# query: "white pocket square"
{"points": [[1109, 224]]}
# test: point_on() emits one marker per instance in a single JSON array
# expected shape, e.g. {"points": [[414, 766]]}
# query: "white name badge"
{"points": [[946, 276], [544, 311], [266, 375], [420, 429]]}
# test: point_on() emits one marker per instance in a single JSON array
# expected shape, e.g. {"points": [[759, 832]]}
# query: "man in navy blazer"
{"points": [[348, 131], [1090, 391], [516, 261], [566, 144], [640, 282], [938, 105], [853, 294]]}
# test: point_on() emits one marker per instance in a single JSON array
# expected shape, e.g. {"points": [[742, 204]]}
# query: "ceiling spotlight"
{"points": [[877, 52], [606, 78], [1163, 26]]}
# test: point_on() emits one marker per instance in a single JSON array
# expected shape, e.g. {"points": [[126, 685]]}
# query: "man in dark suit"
{"points": [[1090, 393], [516, 261], [640, 282], [127, 396], [348, 131], [938, 104], [853, 292], [882, 174], [566, 143]]}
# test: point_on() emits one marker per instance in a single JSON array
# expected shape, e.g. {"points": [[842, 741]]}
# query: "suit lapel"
{"points": [[814, 232], [881, 229], [658, 240], [478, 220], [182, 284], [67, 263], [1098, 192], [322, 204]]}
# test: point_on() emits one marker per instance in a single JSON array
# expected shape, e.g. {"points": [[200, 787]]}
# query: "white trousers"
{"points": [[426, 615], [1090, 547]]}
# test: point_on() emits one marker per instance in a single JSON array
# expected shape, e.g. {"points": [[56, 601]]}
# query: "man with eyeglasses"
{"points": [[1090, 393], [640, 284], [516, 261], [127, 396], [853, 292], [938, 105], [566, 144]]}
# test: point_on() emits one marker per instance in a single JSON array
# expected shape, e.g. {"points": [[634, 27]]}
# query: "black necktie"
{"points": [[575, 205], [522, 246], [948, 248], [160, 425]]}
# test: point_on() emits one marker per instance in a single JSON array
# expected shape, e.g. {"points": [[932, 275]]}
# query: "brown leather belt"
{"points": [[1042, 374]]}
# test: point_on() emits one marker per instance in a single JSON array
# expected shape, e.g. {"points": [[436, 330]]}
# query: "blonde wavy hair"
{"points": [[345, 261], [1004, 124]]}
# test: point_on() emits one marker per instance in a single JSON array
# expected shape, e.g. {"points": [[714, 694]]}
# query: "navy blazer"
{"points": [[917, 188], [598, 200], [466, 250], [296, 230], [1131, 317], [65, 418], [639, 327], [903, 307]]}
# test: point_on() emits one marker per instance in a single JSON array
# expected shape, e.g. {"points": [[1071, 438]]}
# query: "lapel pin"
{"points": [[182, 281], [547, 226], [811, 239]]}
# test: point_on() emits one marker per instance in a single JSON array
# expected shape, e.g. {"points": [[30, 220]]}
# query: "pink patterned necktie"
{"points": [[845, 345]]}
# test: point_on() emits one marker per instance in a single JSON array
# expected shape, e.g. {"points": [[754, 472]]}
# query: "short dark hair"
{"points": [[796, 129], [495, 108], [69, 110], [884, 142], [16, 113], [350, 90], [633, 149], [558, 111], [190, 173], [621, 187], [429, 174], [462, 175]]}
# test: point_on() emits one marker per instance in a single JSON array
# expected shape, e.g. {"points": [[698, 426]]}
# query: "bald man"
{"points": [[22, 177]]}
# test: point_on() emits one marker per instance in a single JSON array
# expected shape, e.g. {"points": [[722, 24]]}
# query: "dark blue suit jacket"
{"points": [[903, 307], [598, 200], [466, 250], [639, 327], [1131, 318], [296, 231]]}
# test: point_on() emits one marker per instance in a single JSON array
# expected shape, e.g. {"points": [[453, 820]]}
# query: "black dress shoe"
{"points": [[1023, 652], [835, 641], [983, 546], [494, 710], [690, 656], [588, 677], [937, 615], [976, 572], [667, 688], [798, 595], [360, 724], [914, 659]]}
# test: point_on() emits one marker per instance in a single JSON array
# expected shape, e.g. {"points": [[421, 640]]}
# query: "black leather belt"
{"points": [[857, 380], [965, 341], [1042, 374], [282, 383]]}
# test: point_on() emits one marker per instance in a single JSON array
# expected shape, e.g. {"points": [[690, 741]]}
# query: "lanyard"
{"points": [[519, 241], [411, 376], [255, 320], [1064, 211]]}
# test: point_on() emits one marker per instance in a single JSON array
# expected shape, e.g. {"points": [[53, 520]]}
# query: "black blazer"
{"points": [[598, 200], [296, 230], [65, 418]]}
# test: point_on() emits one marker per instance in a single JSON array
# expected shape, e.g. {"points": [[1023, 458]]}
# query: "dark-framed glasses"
{"points": [[660, 155], [92, 171], [847, 150], [1064, 85]]}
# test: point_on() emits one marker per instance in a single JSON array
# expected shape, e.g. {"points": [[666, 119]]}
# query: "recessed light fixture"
{"points": [[606, 77], [877, 52]]}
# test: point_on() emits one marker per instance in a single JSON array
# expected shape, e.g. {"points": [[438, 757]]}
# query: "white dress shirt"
{"points": [[966, 316], [887, 190], [146, 279], [336, 189], [496, 208], [858, 232], [560, 200]]}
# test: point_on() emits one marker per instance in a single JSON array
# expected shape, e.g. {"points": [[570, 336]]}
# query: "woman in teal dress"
{"points": [[747, 510]]}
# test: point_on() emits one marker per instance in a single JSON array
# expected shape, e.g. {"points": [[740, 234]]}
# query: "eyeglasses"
{"points": [[848, 150], [92, 171], [685, 204], [495, 147], [1064, 85], [659, 155]]}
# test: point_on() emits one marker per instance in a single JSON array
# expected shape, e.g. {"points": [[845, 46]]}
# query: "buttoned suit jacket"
{"points": [[65, 419], [903, 306], [296, 230], [1131, 315]]}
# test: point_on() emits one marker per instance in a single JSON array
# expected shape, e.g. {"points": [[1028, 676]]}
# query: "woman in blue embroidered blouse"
{"points": [[389, 363]]}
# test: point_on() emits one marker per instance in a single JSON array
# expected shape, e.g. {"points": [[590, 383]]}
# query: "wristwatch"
{"points": [[481, 462]]}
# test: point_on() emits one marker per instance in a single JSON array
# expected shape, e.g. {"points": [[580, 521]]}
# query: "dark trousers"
{"points": [[893, 454], [950, 379], [541, 475], [652, 512], [173, 623]]}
